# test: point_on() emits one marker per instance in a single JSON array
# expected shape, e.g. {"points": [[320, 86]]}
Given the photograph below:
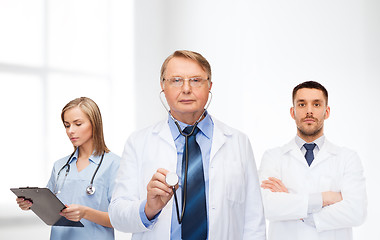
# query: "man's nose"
{"points": [[310, 110], [186, 87]]}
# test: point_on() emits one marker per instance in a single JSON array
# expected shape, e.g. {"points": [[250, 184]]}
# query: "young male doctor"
{"points": [[312, 189], [218, 192]]}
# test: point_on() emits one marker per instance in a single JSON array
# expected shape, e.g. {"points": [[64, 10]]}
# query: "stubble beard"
{"points": [[310, 133]]}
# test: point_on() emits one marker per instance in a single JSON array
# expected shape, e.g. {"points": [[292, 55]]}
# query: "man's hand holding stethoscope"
{"points": [[159, 192]]}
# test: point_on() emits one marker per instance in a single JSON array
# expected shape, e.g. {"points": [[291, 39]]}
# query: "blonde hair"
{"points": [[191, 55], [89, 107]]}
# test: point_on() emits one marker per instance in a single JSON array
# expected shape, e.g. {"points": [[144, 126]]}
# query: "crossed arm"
{"points": [[276, 185], [333, 210]]}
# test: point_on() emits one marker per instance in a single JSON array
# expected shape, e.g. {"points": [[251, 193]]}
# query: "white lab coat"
{"points": [[235, 205], [333, 169]]}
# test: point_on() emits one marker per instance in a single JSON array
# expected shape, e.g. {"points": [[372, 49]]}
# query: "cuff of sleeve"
{"points": [[315, 203], [309, 220], [144, 219]]}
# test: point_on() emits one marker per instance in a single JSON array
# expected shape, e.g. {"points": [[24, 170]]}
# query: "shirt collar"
{"points": [[93, 158], [205, 126], [319, 141]]}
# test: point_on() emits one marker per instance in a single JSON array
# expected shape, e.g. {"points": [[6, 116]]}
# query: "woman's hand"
{"points": [[24, 204], [74, 212]]}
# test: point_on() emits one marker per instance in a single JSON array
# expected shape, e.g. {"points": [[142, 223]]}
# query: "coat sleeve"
{"points": [[279, 206], [124, 207], [351, 211], [254, 227]]}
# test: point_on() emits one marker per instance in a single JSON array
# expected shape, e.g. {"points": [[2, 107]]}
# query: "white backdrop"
{"points": [[258, 51]]}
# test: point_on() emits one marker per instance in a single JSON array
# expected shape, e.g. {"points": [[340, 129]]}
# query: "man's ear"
{"points": [[327, 113], [162, 85], [292, 112]]}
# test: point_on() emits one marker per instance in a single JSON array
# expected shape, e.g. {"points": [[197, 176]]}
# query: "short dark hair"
{"points": [[310, 84]]}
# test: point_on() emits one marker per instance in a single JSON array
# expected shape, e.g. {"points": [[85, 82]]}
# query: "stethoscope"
{"points": [[90, 190], [171, 177]]}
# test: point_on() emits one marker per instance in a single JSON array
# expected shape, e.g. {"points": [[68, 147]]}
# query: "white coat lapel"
{"points": [[325, 153], [219, 137], [328, 149], [167, 152], [293, 149], [163, 131]]}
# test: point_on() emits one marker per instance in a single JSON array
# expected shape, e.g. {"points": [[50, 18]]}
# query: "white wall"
{"points": [[258, 50]]}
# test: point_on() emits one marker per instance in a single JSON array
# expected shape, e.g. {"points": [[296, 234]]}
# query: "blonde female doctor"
{"points": [[84, 180]]}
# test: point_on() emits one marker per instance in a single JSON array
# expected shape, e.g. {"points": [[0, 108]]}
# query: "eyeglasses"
{"points": [[178, 81]]}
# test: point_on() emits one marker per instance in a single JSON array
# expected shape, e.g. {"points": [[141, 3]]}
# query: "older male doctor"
{"points": [[313, 189], [220, 197]]}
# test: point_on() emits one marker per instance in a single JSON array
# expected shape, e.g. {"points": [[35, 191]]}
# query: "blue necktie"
{"points": [[309, 152], [194, 223]]}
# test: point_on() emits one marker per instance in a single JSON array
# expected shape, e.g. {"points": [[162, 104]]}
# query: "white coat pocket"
{"points": [[235, 182]]}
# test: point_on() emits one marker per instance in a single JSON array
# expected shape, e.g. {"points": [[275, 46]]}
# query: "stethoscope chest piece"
{"points": [[90, 190], [171, 179]]}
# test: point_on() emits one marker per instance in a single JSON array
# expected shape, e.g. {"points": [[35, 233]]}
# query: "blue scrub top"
{"points": [[73, 191]]}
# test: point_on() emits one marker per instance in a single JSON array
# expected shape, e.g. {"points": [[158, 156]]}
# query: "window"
{"points": [[52, 52]]}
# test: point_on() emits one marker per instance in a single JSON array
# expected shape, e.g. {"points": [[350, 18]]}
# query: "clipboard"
{"points": [[45, 205]]}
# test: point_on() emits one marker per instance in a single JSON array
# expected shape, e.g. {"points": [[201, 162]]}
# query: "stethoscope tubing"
{"points": [[186, 168], [93, 176], [184, 187], [90, 189], [175, 120], [56, 190]]}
